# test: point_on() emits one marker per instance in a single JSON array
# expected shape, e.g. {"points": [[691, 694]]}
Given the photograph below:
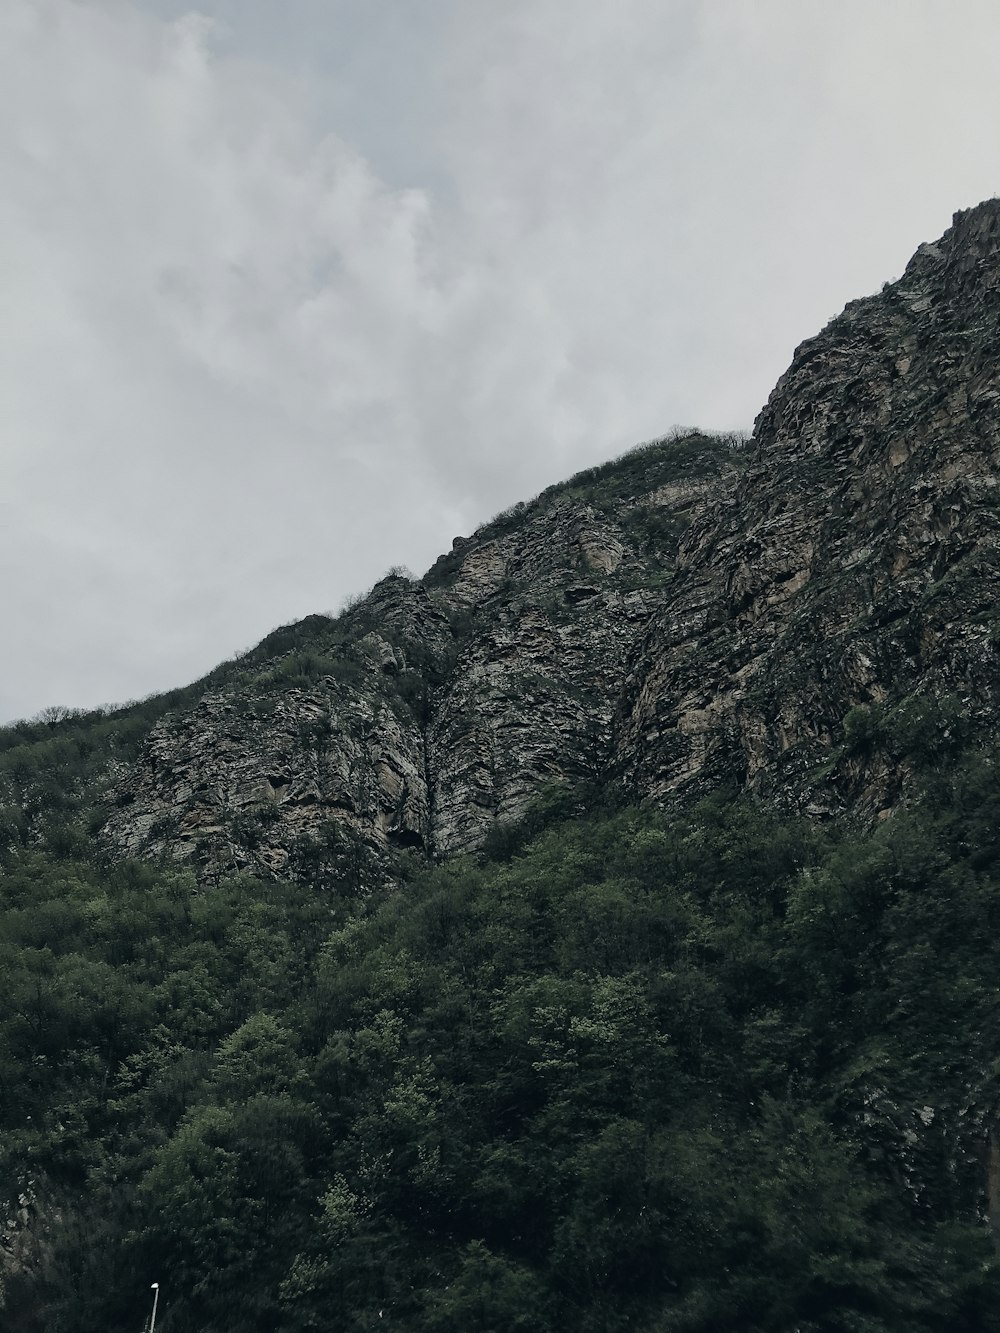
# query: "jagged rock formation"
{"points": [[812, 616], [856, 560], [700, 613], [432, 708]]}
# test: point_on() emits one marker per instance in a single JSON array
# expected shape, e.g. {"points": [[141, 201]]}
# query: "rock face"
{"points": [[856, 561], [435, 707], [703, 612], [532, 695]]}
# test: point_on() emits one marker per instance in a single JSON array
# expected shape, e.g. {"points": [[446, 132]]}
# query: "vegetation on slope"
{"points": [[620, 488], [633, 1070]]}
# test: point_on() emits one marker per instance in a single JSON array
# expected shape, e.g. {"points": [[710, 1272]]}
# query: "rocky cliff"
{"points": [[855, 564], [700, 1023], [784, 615], [433, 707]]}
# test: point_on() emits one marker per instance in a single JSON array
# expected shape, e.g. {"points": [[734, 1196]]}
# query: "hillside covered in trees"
{"points": [[599, 932], [626, 1070]]}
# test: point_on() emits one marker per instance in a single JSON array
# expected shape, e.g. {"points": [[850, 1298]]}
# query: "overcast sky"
{"points": [[297, 290]]}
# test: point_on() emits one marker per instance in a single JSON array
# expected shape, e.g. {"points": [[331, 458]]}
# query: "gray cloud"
{"points": [[303, 292]]}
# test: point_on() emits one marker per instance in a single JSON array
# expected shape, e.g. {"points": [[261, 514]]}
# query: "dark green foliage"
{"points": [[922, 729], [688, 1072], [554, 804], [655, 531], [863, 728]]}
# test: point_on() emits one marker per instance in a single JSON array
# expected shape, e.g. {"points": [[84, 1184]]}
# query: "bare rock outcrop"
{"points": [[700, 614], [434, 707], [857, 558]]}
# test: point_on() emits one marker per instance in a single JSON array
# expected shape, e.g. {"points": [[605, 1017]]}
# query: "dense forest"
{"points": [[708, 1067]]}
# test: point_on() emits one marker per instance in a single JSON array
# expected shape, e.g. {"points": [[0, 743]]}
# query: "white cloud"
{"points": [[206, 373], [242, 374]]}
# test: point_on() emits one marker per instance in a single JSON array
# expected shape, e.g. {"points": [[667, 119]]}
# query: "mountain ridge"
{"points": [[704, 1034], [702, 612], [417, 694], [696, 615], [857, 559]]}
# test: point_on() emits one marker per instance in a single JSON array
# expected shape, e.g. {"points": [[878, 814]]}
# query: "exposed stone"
{"points": [[697, 615], [857, 558], [453, 700]]}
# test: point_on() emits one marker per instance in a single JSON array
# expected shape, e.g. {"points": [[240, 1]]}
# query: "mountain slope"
{"points": [[699, 614], [692, 1064], [432, 708], [857, 561]]}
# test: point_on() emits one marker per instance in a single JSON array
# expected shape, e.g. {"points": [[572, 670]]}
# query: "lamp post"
{"points": [[155, 1288]]}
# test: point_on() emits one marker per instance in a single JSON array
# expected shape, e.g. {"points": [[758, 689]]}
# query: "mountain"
{"points": [[598, 932], [703, 613], [855, 563], [433, 707]]}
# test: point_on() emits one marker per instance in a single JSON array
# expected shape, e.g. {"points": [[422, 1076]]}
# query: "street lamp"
{"points": [[155, 1288]]}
